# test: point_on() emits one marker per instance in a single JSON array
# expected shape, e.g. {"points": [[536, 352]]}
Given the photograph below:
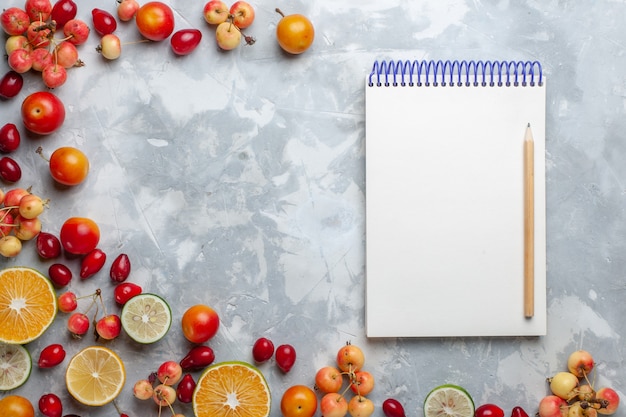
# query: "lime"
{"points": [[146, 318], [231, 389], [448, 401], [15, 366]]}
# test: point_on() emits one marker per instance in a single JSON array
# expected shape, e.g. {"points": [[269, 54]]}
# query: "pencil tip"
{"points": [[528, 124]]}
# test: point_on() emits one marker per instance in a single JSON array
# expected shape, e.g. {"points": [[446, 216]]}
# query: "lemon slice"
{"points": [[95, 376], [28, 305], [146, 318], [448, 401], [15, 366], [231, 389]]}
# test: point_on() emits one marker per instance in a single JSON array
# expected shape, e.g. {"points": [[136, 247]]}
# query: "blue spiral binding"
{"points": [[456, 73]]}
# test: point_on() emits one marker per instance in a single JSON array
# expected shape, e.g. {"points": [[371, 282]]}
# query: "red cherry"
{"points": [[51, 355], [285, 357], [50, 405], [103, 22], [120, 268], [184, 390], [63, 11], [125, 292], [48, 245], [518, 412], [262, 350], [199, 357], [184, 41], [393, 408], [9, 138], [78, 324], [489, 410], [60, 275], [10, 170], [92, 263], [11, 84]]}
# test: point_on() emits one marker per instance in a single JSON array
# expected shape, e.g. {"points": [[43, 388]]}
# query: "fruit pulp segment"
{"points": [[448, 401], [95, 376], [27, 305], [226, 390], [146, 318], [15, 366]]}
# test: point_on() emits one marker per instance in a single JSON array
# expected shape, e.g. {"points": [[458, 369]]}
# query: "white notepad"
{"points": [[445, 198]]}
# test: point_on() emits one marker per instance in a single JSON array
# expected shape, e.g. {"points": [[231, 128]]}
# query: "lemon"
{"points": [[28, 305], [231, 389], [95, 376], [146, 318], [15, 366], [448, 400]]}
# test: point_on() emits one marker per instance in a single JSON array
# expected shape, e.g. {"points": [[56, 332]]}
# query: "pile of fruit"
{"points": [[44, 39], [573, 391], [33, 42]]}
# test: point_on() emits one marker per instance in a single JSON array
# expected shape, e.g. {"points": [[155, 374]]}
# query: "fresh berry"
{"points": [[9, 138], [103, 22], [67, 302], [518, 412], [50, 405], [59, 274], [92, 263], [10, 170], [48, 246], [11, 84], [125, 292], [393, 408], [120, 268], [78, 324], [185, 388], [199, 357], [489, 410], [51, 356], [109, 327], [63, 11], [285, 357], [262, 350]]}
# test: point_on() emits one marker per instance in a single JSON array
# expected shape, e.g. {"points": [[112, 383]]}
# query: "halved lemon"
{"points": [[448, 401], [95, 376], [232, 389], [146, 318], [28, 305], [15, 366]]}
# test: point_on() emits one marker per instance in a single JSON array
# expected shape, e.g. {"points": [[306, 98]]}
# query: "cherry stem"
{"points": [[136, 42], [280, 12], [99, 295], [94, 298], [117, 408], [39, 150]]}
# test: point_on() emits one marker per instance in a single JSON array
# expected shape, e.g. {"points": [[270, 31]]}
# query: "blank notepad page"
{"points": [[445, 200]]}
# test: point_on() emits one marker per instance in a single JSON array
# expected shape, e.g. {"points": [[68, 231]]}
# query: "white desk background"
{"points": [[237, 180]]}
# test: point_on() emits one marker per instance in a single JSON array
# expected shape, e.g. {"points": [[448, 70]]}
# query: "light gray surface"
{"points": [[237, 180]]}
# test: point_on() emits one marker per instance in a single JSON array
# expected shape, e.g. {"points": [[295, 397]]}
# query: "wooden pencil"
{"points": [[529, 224]]}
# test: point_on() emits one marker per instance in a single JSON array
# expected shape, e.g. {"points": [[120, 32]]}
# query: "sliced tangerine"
{"points": [[27, 305], [232, 389]]}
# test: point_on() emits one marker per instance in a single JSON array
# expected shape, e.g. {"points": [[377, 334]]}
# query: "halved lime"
{"points": [[448, 401], [146, 318], [15, 366]]}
